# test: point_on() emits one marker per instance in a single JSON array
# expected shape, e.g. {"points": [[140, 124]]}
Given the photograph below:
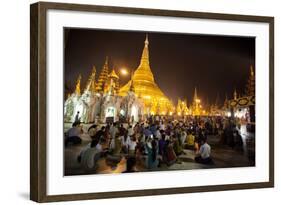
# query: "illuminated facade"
{"points": [[146, 89], [196, 107], [182, 108], [244, 107], [100, 102]]}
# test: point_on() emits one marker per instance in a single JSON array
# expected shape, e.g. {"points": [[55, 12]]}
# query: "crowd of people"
{"points": [[152, 143]]}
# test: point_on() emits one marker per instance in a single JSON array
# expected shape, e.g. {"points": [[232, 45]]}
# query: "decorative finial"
{"points": [[77, 87], [195, 94], [235, 94], [252, 70], [146, 42]]}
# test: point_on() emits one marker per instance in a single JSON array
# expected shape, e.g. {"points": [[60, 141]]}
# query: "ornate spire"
{"points": [[112, 86], [144, 86], [103, 78], [145, 54], [250, 87], [225, 104], [252, 70], [91, 81], [235, 94], [195, 94], [77, 87]]}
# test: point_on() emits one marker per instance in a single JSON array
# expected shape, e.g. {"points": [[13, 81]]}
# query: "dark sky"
{"points": [[214, 64]]}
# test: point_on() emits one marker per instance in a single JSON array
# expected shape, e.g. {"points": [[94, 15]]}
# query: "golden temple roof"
{"points": [[113, 74], [144, 84]]}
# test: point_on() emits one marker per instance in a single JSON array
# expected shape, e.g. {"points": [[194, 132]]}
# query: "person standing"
{"points": [[77, 118], [152, 151]]}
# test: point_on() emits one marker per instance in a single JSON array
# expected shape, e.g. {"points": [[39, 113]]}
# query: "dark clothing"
{"points": [[161, 146], [98, 135], [73, 139], [200, 160]]}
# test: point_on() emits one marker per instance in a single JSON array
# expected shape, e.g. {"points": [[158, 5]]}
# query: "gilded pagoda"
{"points": [[145, 87]]}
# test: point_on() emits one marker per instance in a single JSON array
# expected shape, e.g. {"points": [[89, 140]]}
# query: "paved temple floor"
{"points": [[223, 157]]}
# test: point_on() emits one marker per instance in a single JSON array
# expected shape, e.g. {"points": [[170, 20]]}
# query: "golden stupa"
{"points": [[144, 86]]}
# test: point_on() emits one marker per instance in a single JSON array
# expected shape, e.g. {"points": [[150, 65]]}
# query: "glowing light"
{"points": [[171, 113], [124, 71], [179, 113], [198, 100]]}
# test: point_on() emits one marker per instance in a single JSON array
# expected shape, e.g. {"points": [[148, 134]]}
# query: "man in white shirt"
{"points": [[204, 156]]}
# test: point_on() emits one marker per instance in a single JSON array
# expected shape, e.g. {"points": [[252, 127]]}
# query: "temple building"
{"points": [[182, 108], [243, 106], [196, 107], [145, 87], [103, 99], [100, 102]]}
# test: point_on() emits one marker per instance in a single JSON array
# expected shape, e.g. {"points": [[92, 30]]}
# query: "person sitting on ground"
{"points": [[117, 145], [190, 140], [90, 156], [131, 165], [183, 136], [99, 133], [73, 134], [204, 156], [92, 130], [130, 131], [102, 145]]}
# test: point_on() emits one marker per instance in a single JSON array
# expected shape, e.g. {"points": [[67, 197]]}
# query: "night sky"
{"points": [[216, 65]]}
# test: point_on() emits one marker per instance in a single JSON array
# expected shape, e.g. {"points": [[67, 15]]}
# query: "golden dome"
{"points": [[145, 86]]}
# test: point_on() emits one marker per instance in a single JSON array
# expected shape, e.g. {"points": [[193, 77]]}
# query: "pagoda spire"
{"points": [[225, 104], [252, 70], [103, 77], [90, 83], [235, 94], [250, 87], [78, 84], [145, 54], [195, 94]]}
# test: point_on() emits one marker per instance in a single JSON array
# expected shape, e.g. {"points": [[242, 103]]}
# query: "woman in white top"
{"points": [[132, 143]]}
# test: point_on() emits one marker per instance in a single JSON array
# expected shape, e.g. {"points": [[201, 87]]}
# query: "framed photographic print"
{"points": [[135, 102]]}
